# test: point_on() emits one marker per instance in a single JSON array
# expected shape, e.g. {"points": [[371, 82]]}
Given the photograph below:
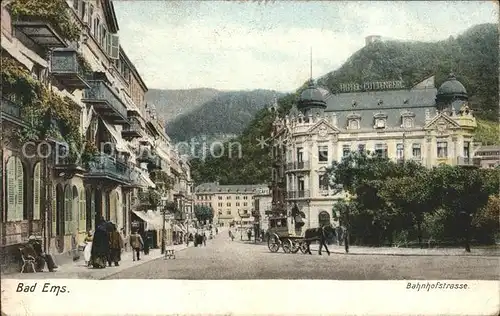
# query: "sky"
{"points": [[245, 45]]}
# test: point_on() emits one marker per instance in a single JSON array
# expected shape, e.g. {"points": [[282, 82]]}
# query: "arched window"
{"points": [[323, 218], [68, 209], [15, 189], [75, 211], [37, 191], [82, 216]]}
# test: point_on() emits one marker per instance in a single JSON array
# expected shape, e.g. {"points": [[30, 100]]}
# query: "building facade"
{"points": [[262, 202], [428, 125], [487, 157], [99, 147], [232, 204]]}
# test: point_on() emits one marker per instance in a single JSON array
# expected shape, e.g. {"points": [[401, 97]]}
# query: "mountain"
{"points": [[472, 56], [227, 113], [172, 103]]}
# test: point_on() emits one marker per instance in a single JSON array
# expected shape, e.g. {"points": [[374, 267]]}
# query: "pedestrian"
{"points": [[322, 239], [136, 243], [124, 239], [249, 234], [88, 248], [216, 230], [115, 246], [100, 246], [204, 239], [147, 243]]}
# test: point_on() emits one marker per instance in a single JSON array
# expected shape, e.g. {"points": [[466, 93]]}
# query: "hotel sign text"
{"points": [[367, 86]]}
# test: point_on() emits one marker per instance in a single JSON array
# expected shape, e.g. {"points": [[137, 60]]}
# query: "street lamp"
{"points": [[466, 222], [164, 200], [241, 225]]}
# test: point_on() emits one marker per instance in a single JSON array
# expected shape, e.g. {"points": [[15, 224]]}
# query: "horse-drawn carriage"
{"points": [[288, 233]]}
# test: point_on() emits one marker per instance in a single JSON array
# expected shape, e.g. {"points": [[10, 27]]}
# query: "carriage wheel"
{"points": [[287, 245], [295, 246], [273, 243], [303, 247]]}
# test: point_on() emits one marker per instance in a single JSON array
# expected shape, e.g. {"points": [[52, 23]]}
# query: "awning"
{"points": [[163, 155], [146, 181], [141, 215], [121, 145], [155, 220], [10, 47]]}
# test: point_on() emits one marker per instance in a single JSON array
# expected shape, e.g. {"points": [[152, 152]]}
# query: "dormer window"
{"points": [[353, 121], [407, 119], [380, 120]]}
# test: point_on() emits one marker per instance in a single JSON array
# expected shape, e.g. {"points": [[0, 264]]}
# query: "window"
{"points": [[245, 212], [245, 197], [68, 209], [97, 28], [15, 189], [346, 149], [228, 197], [353, 124], [82, 210], [237, 197], [467, 149], [300, 154], [381, 150], [103, 36], [323, 153], [220, 197], [399, 151], [219, 212], [219, 204], [90, 17], [245, 203], [408, 122], [416, 151], [228, 212], [75, 4], [301, 184], [83, 11], [323, 184], [237, 203], [361, 148], [380, 123], [442, 149], [228, 204], [37, 191]]}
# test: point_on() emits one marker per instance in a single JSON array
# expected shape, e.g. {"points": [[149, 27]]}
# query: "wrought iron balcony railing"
{"points": [[105, 101], [10, 107], [67, 68], [104, 166], [298, 194], [298, 165]]}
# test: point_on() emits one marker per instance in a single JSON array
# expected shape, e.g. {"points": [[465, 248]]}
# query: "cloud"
{"points": [[215, 47]]}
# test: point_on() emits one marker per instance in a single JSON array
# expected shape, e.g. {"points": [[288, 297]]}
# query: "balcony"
{"points": [[133, 130], [301, 194], [40, 32], [68, 69], [105, 101], [147, 156], [107, 168], [468, 162], [298, 166], [10, 110]]}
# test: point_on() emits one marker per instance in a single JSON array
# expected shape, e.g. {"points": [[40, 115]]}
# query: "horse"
{"points": [[321, 234]]}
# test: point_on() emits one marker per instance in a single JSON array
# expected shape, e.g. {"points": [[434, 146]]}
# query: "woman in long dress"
{"points": [[88, 248], [100, 246]]}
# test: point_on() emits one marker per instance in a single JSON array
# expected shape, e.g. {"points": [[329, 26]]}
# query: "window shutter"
{"points": [[54, 211], [36, 192], [20, 190], [67, 209], [114, 51], [11, 189]]}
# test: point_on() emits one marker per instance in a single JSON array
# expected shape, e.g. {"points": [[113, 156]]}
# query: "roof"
{"points": [[312, 97], [392, 103], [134, 70], [452, 87], [110, 16], [488, 148], [214, 187]]}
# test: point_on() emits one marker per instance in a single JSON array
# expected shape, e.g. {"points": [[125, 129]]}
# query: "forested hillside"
{"points": [[226, 113], [472, 56]]}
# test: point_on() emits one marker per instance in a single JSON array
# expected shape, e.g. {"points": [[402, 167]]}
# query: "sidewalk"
{"points": [[78, 270], [393, 251]]}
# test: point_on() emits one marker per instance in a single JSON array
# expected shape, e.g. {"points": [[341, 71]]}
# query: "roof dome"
{"points": [[311, 97], [452, 88]]}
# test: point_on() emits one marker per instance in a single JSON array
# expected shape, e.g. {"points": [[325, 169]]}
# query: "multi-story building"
{"points": [[424, 124], [487, 156], [99, 143], [232, 204], [262, 202]]}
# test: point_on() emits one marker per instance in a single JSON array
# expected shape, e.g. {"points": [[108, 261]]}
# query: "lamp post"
{"points": [[164, 200], [241, 226]]}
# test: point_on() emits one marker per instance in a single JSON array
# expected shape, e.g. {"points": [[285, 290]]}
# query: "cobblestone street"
{"points": [[223, 259]]}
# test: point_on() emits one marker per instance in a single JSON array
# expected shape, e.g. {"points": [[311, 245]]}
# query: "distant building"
{"points": [[372, 39], [488, 156], [262, 202], [231, 203]]}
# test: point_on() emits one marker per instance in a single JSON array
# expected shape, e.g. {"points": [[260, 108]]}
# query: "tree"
{"points": [[485, 222], [203, 213], [412, 194]]}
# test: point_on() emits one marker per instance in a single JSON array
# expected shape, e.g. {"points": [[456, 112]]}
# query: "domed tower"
{"points": [[311, 100], [451, 93]]}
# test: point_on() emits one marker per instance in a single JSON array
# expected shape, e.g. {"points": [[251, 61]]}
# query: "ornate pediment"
{"points": [[442, 123], [323, 129]]}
